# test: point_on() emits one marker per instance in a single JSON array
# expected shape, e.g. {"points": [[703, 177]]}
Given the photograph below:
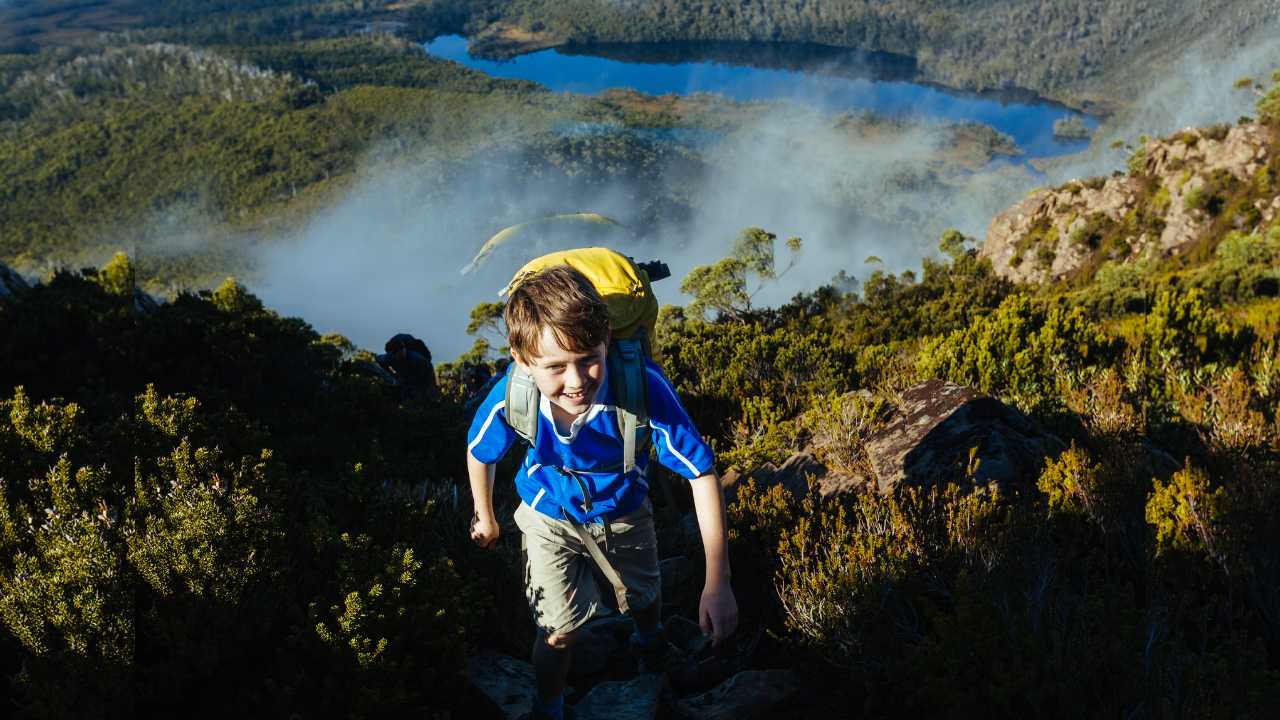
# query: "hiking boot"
{"points": [[659, 655], [536, 714]]}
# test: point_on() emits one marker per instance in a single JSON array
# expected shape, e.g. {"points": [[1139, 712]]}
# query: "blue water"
{"points": [[825, 86]]}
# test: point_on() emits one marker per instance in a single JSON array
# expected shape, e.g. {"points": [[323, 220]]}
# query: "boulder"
{"points": [[596, 642], [637, 699], [749, 694], [677, 577], [12, 286], [794, 475], [686, 635], [506, 681], [929, 438]]}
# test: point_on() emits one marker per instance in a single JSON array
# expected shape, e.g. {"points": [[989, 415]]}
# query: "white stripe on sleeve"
{"points": [[675, 452], [536, 498], [492, 414]]}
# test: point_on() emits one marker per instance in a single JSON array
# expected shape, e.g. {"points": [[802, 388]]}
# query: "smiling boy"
{"points": [[588, 527]]}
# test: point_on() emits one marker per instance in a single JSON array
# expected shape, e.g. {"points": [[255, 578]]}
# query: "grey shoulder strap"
{"points": [[522, 404], [630, 380]]}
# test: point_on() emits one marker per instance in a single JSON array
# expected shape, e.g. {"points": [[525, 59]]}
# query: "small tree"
{"points": [[953, 245], [723, 286], [487, 317]]}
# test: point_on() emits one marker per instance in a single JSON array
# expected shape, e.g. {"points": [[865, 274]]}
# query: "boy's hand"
{"points": [[484, 532], [718, 614]]}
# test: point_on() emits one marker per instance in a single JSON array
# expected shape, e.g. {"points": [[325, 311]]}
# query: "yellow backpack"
{"points": [[633, 314]]}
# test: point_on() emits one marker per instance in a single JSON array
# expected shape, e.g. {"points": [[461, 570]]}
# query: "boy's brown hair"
{"points": [[563, 299]]}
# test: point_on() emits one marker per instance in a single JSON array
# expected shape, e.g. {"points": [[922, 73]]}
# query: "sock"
{"points": [[554, 709], [643, 637]]}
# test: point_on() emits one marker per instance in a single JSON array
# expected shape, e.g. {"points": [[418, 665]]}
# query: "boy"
{"points": [[578, 507]]}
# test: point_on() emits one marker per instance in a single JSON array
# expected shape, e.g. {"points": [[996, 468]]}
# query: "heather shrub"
{"points": [[838, 425], [1015, 351], [66, 584]]}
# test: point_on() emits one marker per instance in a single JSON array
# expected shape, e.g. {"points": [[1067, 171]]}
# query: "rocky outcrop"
{"points": [[794, 476], [12, 286], [505, 681], [1057, 233], [750, 694], [929, 437], [596, 643], [636, 699]]}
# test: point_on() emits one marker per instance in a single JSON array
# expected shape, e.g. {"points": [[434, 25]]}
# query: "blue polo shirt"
{"points": [[593, 443]]}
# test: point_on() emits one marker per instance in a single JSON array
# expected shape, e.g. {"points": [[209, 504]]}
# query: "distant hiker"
{"points": [[583, 482], [469, 410], [477, 377], [410, 361]]}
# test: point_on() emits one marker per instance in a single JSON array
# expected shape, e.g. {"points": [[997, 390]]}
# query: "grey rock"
{"points": [[929, 437], [596, 642], [637, 699], [677, 577], [689, 523], [12, 286], [750, 694], [143, 304], [506, 681], [795, 475], [763, 476], [686, 635], [1045, 222]]}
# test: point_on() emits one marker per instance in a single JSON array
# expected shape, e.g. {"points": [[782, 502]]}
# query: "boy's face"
{"points": [[569, 379]]}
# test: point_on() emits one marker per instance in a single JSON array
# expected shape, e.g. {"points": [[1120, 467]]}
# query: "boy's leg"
{"points": [[561, 594], [636, 555], [551, 656], [649, 617]]}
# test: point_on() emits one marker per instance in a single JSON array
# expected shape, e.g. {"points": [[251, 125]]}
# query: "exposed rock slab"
{"points": [[929, 438], [506, 681], [637, 699], [794, 475], [596, 642], [750, 694], [12, 285]]}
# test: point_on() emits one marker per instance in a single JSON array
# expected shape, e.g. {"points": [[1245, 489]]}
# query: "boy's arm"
{"points": [[718, 611], [484, 525]]}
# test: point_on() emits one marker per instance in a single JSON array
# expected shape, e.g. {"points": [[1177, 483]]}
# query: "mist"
{"points": [[387, 259], [1196, 91]]}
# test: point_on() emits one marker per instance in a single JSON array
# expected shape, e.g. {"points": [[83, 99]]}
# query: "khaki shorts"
{"points": [[562, 583]]}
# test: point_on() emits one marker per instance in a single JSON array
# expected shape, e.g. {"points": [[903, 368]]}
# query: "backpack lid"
{"points": [[624, 286]]}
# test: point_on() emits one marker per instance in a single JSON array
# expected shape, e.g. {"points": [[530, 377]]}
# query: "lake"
{"points": [[829, 80]]}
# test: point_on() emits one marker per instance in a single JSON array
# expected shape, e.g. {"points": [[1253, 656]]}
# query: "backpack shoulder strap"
{"points": [[522, 401], [629, 377]]}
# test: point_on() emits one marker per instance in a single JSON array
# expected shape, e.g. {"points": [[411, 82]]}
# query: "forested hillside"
{"points": [[1077, 52], [195, 158], [1083, 53]]}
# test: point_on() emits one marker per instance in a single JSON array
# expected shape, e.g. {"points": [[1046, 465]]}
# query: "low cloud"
{"points": [[387, 259]]}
